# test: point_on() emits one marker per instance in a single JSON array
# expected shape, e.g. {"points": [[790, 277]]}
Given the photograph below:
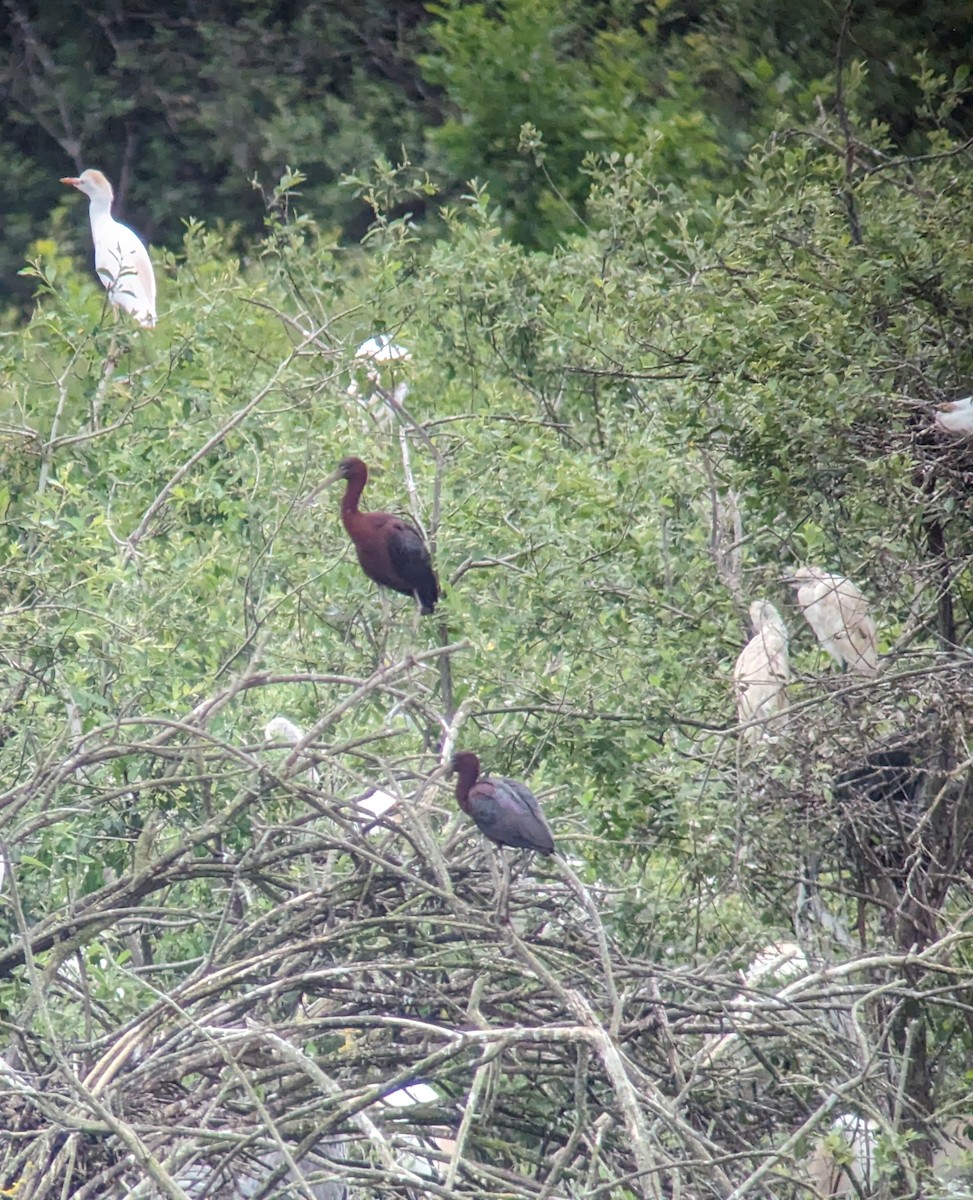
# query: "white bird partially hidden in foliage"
{"points": [[838, 613], [380, 348], [956, 417], [762, 671], [122, 262], [782, 961], [287, 731], [844, 1162], [380, 355]]}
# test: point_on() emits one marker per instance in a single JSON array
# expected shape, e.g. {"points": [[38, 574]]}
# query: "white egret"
{"points": [[837, 611], [762, 670], [287, 731], [380, 355], [122, 262], [843, 1163], [381, 349], [413, 1093], [774, 970], [956, 417], [782, 961]]}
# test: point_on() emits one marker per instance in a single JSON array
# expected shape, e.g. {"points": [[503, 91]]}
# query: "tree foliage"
{"points": [[218, 962], [185, 107]]}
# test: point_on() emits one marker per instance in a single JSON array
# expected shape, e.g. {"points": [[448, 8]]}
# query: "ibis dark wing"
{"points": [[522, 793], [508, 812], [888, 777], [409, 557]]}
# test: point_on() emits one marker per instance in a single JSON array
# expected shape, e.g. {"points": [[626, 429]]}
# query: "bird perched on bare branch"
{"points": [[122, 262], [287, 731], [837, 611], [504, 809], [390, 551], [762, 671]]}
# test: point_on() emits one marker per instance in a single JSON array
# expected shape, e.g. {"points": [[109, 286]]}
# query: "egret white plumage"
{"points": [[837, 611], [956, 417], [413, 1093], [287, 731], [844, 1161], [380, 348], [782, 961], [122, 262], [381, 356], [771, 971], [762, 671]]}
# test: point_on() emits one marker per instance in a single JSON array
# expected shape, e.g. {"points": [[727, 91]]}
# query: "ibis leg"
{"points": [[382, 641], [503, 896]]}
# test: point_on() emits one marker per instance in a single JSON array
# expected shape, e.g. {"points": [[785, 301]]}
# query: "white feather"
{"points": [[377, 802], [381, 349]]}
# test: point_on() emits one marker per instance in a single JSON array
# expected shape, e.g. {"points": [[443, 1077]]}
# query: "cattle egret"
{"points": [[780, 960], [844, 1161], [837, 611], [379, 353], [413, 1093], [287, 731], [405, 1097], [122, 262], [775, 965], [762, 671], [956, 417], [381, 349]]}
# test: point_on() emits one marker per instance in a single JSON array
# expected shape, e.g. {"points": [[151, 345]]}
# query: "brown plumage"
{"points": [[390, 551], [504, 809]]}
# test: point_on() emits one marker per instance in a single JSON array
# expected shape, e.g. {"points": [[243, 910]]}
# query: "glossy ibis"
{"points": [[887, 778], [838, 613], [880, 801], [504, 809], [122, 262], [390, 551], [762, 671]]}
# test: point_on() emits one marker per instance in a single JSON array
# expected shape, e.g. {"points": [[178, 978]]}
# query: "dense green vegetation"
{"points": [[187, 107], [692, 334]]}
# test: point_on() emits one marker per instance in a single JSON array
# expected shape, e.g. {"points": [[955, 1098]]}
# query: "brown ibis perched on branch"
{"points": [[504, 809], [390, 551]]}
